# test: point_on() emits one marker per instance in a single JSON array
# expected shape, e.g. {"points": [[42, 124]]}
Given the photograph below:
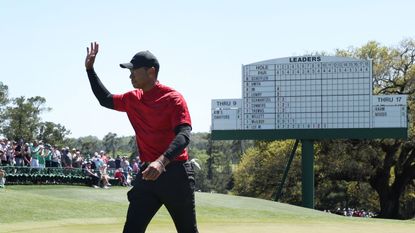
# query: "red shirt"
{"points": [[154, 114], [118, 175]]}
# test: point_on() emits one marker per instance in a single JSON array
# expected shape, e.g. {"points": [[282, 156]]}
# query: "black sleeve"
{"points": [[103, 95], [180, 142]]}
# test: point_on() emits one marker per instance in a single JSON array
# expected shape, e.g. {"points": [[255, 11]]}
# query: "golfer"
{"points": [[162, 126]]}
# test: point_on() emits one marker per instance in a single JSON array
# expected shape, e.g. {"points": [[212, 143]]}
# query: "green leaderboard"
{"points": [[310, 134], [309, 98]]}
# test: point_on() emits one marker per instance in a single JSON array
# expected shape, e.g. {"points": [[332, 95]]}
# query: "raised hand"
{"points": [[91, 53]]}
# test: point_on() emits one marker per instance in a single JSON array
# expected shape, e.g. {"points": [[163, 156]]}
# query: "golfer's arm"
{"points": [[103, 95], [178, 144]]}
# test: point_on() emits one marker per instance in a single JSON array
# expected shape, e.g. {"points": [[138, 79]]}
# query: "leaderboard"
{"points": [[309, 92], [389, 111]]}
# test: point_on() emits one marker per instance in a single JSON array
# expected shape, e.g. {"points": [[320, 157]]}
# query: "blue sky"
{"points": [[201, 46]]}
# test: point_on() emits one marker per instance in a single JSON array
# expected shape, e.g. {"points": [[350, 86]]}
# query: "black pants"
{"points": [[173, 188], [55, 164], [93, 180], [48, 163]]}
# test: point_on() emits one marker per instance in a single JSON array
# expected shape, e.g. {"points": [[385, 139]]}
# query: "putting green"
{"points": [[72, 209]]}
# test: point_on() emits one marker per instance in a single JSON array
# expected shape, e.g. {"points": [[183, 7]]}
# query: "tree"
{"points": [[352, 172], [87, 145], [111, 143], [260, 171], [221, 158], [342, 176], [4, 92], [391, 167], [132, 145], [52, 133], [22, 120]]}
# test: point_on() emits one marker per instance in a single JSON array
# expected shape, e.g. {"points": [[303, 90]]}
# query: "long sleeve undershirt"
{"points": [[180, 142], [104, 97]]}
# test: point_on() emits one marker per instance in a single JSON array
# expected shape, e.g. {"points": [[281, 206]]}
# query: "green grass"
{"points": [[71, 209]]}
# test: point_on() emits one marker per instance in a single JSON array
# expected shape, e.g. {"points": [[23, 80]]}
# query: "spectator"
{"points": [[94, 181], [35, 154], [69, 157], [18, 153], [93, 167], [56, 157], [111, 163], [47, 153], [119, 175], [2, 144], [26, 154], [2, 178], [72, 156], [77, 159], [104, 176], [103, 156], [65, 159], [118, 162], [125, 165], [10, 152], [3, 157], [98, 162], [43, 153], [136, 167]]}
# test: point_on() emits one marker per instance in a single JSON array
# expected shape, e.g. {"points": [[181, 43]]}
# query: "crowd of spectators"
{"points": [[351, 212], [37, 154]]}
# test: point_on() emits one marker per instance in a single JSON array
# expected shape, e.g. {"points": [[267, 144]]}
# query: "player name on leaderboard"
{"points": [[307, 92]]}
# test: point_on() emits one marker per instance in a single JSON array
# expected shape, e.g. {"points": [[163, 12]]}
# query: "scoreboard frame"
{"points": [[311, 134], [355, 119]]}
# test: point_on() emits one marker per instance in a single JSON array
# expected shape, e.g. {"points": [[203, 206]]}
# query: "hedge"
{"points": [[27, 175]]}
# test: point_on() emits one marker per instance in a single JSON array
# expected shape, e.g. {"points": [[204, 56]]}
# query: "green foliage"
{"points": [[223, 155], [260, 171], [131, 147], [350, 172], [87, 145], [373, 174], [198, 141], [342, 175], [392, 166], [23, 118], [217, 160], [111, 142], [124, 146], [407, 202], [202, 183], [27, 175], [4, 92], [52, 133]]}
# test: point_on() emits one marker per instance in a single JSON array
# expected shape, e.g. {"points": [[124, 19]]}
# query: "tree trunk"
{"points": [[389, 205], [389, 195]]}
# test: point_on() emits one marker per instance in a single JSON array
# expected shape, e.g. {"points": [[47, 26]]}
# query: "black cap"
{"points": [[142, 59]]}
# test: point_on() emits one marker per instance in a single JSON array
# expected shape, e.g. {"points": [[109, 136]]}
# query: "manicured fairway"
{"points": [[72, 209]]}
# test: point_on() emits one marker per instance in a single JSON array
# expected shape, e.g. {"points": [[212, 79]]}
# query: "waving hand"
{"points": [[91, 53]]}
